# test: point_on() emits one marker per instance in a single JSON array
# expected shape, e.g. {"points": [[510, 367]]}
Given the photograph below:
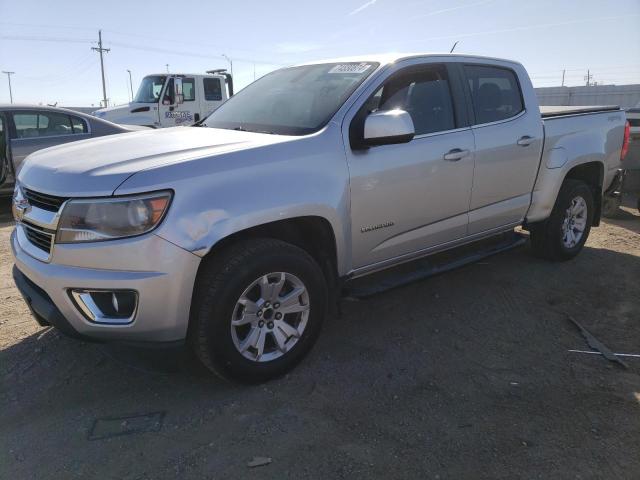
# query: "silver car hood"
{"points": [[96, 167]]}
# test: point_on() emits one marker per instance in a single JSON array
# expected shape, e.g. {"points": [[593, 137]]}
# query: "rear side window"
{"points": [[78, 125], [423, 93], [212, 89], [42, 124], [495, 93]]}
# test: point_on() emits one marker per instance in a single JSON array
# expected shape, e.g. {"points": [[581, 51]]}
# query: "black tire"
{"points": [[222, 280], [547, 237]]}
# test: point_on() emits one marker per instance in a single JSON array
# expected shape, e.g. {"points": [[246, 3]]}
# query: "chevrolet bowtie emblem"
{"points": [[21, 205]]}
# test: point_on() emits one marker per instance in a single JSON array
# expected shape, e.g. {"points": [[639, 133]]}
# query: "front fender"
{"points": [[218, 196]]}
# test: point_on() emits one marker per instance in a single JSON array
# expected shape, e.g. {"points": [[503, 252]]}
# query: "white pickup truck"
{"points": [[169, 100], [238, 234]]}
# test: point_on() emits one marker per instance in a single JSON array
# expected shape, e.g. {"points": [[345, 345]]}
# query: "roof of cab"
{"points": [[28, 106], [165, 74], [388, 58]]}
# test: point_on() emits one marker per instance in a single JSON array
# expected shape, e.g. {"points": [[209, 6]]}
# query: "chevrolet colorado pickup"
{"points": [[236, 235]]}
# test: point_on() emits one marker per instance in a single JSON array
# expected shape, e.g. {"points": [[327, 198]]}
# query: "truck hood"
{"points": [[96, 167], [130, 114]]}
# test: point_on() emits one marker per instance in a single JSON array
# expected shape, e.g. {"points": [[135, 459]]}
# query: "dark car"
{"points": [[27, 128]]}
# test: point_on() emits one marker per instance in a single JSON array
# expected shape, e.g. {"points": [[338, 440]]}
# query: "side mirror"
{"points": [[388, 127], [178, 95]]}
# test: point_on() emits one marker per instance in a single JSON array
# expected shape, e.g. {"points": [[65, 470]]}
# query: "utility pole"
{"points": [[100, 50], [588, 78], [230, 63], [563, 72], [9, 78], [130, 84]]}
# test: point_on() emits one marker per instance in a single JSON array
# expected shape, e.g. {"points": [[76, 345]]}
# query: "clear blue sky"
{"points": [[48, 44]]}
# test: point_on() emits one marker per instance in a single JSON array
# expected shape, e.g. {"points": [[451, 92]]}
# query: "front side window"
{"points": [[188, 89], [212, 89], [42, 124], [424, 93], [292, 101], [495, 93], [150, 88]]}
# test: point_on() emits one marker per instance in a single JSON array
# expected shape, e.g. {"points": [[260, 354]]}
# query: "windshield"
{"points": [[150, 88], [291, 101]]}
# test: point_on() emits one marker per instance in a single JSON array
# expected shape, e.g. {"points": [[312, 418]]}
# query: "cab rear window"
{"points": [[212, 89]]}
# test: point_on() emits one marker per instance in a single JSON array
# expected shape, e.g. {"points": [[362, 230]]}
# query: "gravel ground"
{"points": [[464, 375]]}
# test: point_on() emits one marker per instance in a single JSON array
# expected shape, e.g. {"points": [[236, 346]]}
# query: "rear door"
{"points": [[38, 129], [508, 139]]}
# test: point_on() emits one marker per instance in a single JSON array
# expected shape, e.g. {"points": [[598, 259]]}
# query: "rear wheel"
{"points": [[258, 309], [563, 235]]}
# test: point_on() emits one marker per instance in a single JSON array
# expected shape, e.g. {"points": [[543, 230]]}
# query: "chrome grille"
{"points": [[44, 201], [39, 237]]}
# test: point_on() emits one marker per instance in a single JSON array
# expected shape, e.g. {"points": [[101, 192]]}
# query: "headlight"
{"points": [[94, 220]]}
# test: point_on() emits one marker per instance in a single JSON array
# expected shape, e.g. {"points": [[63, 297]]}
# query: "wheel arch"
{"points": [[313, 234], [591, 173]]}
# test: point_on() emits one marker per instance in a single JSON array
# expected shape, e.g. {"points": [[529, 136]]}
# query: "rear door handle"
{"points": [[525, 141], [455, 155]]}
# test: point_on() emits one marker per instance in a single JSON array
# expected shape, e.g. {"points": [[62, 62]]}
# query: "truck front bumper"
{"points": [[161, 274]]}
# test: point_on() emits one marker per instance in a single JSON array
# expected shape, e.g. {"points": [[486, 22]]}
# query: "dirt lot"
{"points": [[464, 375]]}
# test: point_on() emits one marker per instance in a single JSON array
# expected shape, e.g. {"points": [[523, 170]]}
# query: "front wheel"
{"points": [[563, 235], [258, 309]]}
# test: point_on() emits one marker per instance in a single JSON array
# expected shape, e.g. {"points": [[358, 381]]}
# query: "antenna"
{"points": [[453, 48]]}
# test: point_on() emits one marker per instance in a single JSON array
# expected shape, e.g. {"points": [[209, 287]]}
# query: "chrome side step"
{"points": [[426, 267]]}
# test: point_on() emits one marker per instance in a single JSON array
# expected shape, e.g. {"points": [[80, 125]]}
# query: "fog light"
{"points": [[106, 306]]}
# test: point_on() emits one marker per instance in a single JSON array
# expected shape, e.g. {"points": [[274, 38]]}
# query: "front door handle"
{"points": [[455, 155], [525, 141]]}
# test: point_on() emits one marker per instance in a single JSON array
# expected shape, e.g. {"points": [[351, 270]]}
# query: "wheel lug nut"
{"points": [[259, 313], [270, 324], [276, 305], [267, 304], [260, 324], [278, 316]]}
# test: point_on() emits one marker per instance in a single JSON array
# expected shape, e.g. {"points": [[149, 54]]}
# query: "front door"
{"points": [[4, 152], [173, 113], [508, 141], [409, 197]]}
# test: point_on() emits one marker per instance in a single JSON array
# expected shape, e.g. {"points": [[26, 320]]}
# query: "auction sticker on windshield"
{"points": [[350, 68]]}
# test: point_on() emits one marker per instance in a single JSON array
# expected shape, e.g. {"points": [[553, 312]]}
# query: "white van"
{"points": [[168, 100]]}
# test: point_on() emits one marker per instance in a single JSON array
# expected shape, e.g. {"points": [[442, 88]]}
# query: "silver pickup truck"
{"points": [[238, 234]]}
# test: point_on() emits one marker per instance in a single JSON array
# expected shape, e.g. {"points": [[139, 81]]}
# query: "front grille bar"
{"points": [[43, 200]]}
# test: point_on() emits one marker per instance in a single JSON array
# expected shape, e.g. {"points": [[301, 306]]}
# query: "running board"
{"points": [[426, 267]]}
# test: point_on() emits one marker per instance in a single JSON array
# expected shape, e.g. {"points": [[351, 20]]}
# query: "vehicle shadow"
{"points": [[627, 217], [6, 217], [457, 359]]}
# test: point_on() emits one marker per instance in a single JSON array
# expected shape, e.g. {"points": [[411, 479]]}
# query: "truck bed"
{"points": [[559, 111]]}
